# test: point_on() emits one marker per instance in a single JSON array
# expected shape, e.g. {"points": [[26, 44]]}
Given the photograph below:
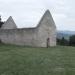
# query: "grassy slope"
{"points": [[15, 60]]}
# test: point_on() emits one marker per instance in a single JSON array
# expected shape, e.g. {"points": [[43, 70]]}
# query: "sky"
{"points": [[27, 13]]}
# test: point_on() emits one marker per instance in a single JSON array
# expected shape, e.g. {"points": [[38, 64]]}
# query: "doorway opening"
{"points": [[48, 42]]}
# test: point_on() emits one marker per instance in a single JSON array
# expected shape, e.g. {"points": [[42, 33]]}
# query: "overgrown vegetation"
{"points": [[65, 42], [17, 60]]}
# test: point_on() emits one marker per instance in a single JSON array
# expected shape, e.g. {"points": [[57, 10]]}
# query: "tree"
{"points": [[1, 22], [72, 40], [62, 42]]}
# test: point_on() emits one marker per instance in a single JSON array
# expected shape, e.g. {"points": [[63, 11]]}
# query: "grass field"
{"points": [[16, 60]]}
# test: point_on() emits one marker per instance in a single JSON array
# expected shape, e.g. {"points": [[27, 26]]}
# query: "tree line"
{"points": [[65, 42], [1, 22]]}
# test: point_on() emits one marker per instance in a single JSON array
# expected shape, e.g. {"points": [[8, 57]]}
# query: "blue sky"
{"points": [[27, 13]]}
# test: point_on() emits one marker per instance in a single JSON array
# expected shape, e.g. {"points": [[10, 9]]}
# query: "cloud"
{"points": [[28, 12]]}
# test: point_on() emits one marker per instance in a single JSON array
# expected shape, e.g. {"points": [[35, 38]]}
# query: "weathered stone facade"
{"points": [[41, 36]]}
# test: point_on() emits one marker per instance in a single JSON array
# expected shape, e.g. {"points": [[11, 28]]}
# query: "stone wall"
{"points": [[34, 37], [46, 29], [18, 36]]}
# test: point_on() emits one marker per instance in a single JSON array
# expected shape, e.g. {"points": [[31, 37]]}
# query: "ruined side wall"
{"points": [[19, 36]]}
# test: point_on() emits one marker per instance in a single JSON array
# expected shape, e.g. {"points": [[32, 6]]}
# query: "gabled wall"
{"points": [[9, 24], [46, 29]]}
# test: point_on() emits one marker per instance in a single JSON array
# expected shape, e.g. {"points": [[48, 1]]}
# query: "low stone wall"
{"points": [[34, 37], [18, 36]]}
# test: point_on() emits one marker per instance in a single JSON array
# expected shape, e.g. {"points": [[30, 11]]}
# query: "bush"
{"points": [[72, 40], [62, 41]]}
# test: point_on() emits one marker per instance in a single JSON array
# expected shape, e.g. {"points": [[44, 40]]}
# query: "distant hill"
{"points": [[65, 34]]}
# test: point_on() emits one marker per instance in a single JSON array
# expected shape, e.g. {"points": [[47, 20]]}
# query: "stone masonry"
{"points": [[41, 36]]}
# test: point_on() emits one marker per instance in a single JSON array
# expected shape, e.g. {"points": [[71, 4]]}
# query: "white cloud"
{"points": [[28, 12]]}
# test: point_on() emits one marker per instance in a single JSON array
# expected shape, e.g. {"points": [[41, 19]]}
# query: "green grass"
{"points": [[17, 60]]}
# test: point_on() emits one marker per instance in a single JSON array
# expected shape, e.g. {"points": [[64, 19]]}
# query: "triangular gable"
{"points": [[47, 20], [9, 24]]}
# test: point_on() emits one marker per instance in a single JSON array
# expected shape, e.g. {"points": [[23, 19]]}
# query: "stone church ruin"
{"points": [[43, 35]]}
